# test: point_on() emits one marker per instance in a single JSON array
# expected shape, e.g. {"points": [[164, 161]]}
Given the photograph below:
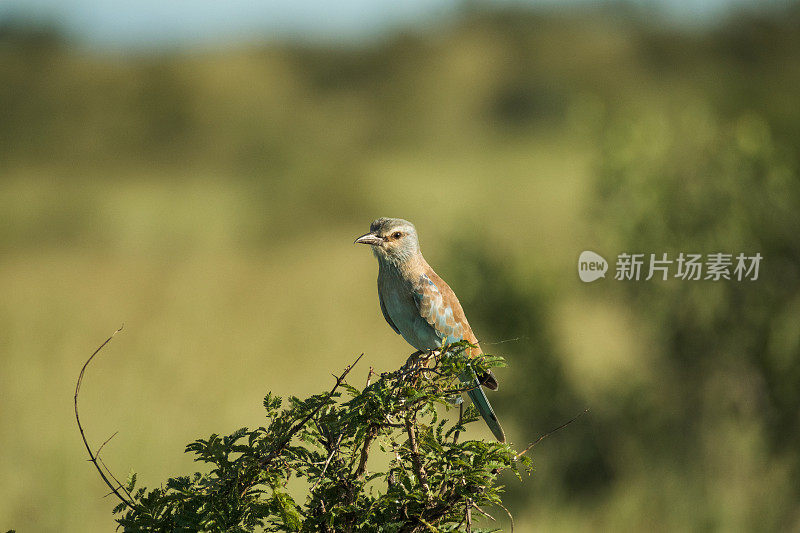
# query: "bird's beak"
{"points": [[369, 238]]}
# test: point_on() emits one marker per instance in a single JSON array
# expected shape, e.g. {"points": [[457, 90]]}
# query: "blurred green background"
{"points": [[207, 197]]}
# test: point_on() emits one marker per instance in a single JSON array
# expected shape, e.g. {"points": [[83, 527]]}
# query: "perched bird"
{"points": [[420, 306]]}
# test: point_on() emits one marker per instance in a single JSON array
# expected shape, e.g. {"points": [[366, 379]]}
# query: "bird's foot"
{"points": [[413, 359], [455, 399], [420, 358]]}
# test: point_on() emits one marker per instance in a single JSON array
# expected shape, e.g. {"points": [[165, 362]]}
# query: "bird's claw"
{"points": [[456, 399], [420, 358]]}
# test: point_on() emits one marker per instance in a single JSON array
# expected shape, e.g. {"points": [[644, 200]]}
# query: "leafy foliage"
{"points": [[432, 482]]}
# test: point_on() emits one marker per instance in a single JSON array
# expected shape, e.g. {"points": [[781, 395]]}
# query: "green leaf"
{"points": [[131, 482]]}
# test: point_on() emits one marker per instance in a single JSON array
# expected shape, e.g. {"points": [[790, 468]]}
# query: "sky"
{"points": [[149, 23]]}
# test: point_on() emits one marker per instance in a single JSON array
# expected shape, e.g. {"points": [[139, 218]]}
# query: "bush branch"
{"points": [[93, 457]]}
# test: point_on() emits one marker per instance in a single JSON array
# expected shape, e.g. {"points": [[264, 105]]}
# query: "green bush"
{"points": [[433, 481]]}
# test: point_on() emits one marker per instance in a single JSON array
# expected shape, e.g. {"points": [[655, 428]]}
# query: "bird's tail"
{"points": [[481, 402]]}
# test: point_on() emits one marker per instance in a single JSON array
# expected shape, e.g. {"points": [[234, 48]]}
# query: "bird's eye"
{"points": [[397, 235]]}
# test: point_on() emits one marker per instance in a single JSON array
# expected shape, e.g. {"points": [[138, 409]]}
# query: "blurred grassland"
{"points": [[209, 200]]}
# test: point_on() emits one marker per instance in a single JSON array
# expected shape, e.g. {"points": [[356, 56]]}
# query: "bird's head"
{"points": [[393, 240]]}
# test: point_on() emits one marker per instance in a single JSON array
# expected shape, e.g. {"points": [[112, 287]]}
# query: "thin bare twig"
{"points": [[418, 468], [515, 339], [468, 514], [484, 513], [108, 470], [503, 507], [97, 453], [540, 439], [92, 456], [117, 481], [328, 461], [372, 431]]}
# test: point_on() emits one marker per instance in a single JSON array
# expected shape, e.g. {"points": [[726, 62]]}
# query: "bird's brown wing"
{"points": [[439, 305]]}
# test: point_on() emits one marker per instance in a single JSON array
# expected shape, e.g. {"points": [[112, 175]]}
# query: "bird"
{"points": [[421, 307]]}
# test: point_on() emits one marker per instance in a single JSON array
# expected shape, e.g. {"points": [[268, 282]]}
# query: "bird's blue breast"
{"points": [[404, 313]]}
